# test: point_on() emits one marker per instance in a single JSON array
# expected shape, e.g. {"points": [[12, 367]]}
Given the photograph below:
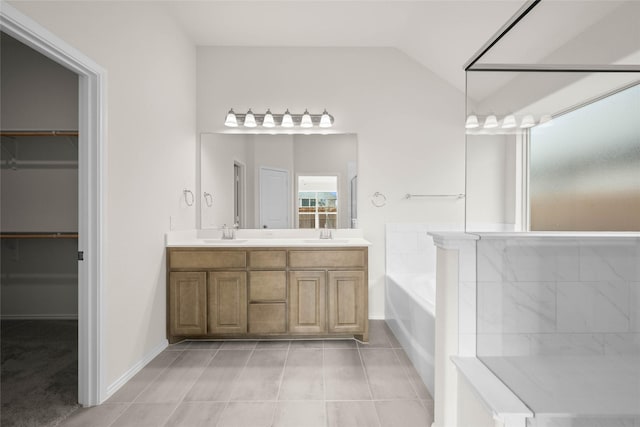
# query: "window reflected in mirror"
{"points": [[317, 202]]}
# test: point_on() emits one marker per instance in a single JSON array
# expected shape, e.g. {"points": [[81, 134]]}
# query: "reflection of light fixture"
{"points": [[250, 120], [546, 120], [231, 120], [472, 122], [491, 122], [509, 122], [287, 120], [527, 122], [306, 122], [325, 120], [268, 121]]}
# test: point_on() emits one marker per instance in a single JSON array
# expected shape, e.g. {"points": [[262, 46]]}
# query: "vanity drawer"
{"points": [[268, 259], [327, 259], [267, 285], [267, 318], [207, 259]]}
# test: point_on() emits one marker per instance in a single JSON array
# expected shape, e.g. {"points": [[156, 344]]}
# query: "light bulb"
{"points": [[325, 120], [509, 122], [268, 121], [491, 122], [287, 120], [250, 120], [527, 122], [306, 120], [231, 120], [472, 122], [546, 120]]}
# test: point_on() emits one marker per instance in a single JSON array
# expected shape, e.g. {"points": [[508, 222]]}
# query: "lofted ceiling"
{"points": [[440, 35]]}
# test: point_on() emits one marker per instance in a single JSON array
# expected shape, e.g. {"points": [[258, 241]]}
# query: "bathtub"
{"points": [[410, 313]]}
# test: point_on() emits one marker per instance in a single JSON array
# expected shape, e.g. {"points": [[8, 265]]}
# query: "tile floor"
{"points": [[271, 383]]}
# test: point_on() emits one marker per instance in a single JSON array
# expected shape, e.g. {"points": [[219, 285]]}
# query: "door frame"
{"points": [[91, 191]]}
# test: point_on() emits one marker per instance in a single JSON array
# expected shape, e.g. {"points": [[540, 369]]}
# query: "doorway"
{"points": [[91, 118]]}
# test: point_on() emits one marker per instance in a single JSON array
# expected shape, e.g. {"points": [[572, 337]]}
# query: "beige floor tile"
{"points": [[307, 344], [238, 345], [204, 345], [174, 382], [273, 345], [218, 378], [261, 377], [142, 379], [98, 416], [302, 379], [247, 414], [387, 377], [352, 414], [145, 415], [416, 381], [340, 344], [196, 414], [377, 336], [300, 414], [405, 413], [344, 376], [392, 338]]}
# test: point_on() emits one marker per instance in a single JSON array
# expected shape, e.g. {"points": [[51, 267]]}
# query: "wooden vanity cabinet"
{"points": [[267, 292]]}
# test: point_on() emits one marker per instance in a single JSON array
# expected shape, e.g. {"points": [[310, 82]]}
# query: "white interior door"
{"points": [[274, 198]]}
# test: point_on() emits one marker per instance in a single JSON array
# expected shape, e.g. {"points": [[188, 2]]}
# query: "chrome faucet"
{"points": [[228, 233], [325, 233]]}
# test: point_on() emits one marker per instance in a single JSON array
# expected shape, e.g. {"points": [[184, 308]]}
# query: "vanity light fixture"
{"points": [[250, 120], [287, 120], [509, 122], [527, 122], [326, 121], [268, 120], [306, 122], [491, 122], [231, 120], [472, 122]]}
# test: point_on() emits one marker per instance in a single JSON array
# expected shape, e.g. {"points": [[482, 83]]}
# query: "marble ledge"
{"points": [[452, 239]]}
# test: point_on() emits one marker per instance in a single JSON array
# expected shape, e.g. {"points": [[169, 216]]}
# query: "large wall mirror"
{"points": [[553, 129], [278, 181]]}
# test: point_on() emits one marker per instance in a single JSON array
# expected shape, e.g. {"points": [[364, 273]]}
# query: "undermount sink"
{"points": [[325, 241]]}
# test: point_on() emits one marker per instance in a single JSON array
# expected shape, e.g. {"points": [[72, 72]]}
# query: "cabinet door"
{"points": [[187, 303], [347, 301], [227, 302], [307, 306]]}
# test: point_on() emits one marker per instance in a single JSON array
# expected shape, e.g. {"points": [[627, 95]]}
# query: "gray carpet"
{"points": [[39, 376]]}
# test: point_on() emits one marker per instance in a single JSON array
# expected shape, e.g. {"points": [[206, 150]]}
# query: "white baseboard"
{"points": [[376, 317], [124, 378], [39, 317]]}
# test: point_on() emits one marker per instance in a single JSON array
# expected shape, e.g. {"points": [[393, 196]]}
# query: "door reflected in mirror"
{"points": [[278, 181]]}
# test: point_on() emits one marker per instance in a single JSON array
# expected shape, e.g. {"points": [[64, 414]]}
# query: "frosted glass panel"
{"points": [[585, 168]]}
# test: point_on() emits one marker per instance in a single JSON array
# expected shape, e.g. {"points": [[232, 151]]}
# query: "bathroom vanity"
{"points": [[267, 288]]}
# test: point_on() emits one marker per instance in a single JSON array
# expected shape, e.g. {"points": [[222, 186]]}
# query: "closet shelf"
{"points": [[14, 133], [38, 235]]}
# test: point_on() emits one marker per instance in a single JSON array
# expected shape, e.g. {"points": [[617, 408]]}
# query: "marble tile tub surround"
{"points": [[295, 383], [558, 295], [410, 249]]}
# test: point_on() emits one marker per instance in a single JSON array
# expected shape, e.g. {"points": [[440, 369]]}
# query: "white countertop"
{"points": [[266, 238]]}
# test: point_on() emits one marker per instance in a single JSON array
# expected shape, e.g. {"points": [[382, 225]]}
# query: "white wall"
{"points": [[407, 121], [150, 157]]}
